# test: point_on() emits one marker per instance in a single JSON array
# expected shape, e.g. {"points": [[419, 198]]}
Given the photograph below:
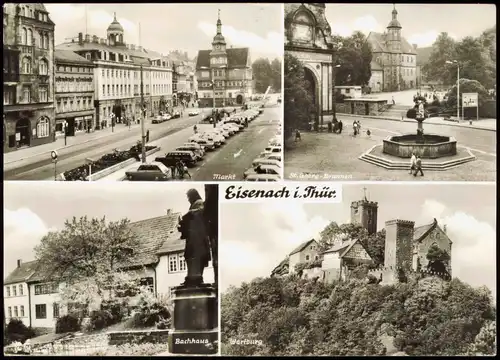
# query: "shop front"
{"points": [[75, 122]]}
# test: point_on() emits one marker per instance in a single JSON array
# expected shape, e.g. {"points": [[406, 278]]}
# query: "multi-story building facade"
{"points": [[117, 75], [396, 56], [28, 86], [223, 74], [74, 82]]}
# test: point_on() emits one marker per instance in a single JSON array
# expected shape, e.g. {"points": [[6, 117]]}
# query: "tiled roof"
{"points": [[76, 46], [423, 55], [375, 66], [172, 245], [70, 56], [236, 57], [22, 273], [377, 40], [152, 235], [281, 266], [340, 247], [301, 247], [421, 231]]}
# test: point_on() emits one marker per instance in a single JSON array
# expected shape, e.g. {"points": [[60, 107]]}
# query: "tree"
{"points": [[276, 74], [443, 50], [297, 99], [263, 74], [88, 256], [467, 86], [475, 61], [437, 260], [354, 55]]}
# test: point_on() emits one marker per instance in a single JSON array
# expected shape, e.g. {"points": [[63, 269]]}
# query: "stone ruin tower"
{"points": [[398, 249]]}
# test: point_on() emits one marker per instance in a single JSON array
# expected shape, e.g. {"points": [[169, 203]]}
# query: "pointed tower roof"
{"points": [[219, 38], [394, 24], [115, 25]]}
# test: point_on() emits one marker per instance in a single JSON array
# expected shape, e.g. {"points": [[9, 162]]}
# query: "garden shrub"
{"points": [[16, 331], [119, 309], [99, 319], [68, 323], [150, 310]]}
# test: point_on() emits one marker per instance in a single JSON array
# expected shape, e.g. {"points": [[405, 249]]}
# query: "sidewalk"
{"points": [[483, 124], [80, 138]]}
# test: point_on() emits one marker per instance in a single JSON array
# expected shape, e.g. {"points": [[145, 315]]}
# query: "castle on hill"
{"points": [[406, 248]]}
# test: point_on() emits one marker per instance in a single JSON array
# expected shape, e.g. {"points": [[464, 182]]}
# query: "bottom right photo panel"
{"points": [[381, 269]]}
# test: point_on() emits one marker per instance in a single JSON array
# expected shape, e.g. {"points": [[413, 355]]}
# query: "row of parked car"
{"points": [[268, 165], [193, 151], [165, 117]]}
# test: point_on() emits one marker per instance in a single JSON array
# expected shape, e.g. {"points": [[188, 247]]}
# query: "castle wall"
{"points": [[399, 244]]}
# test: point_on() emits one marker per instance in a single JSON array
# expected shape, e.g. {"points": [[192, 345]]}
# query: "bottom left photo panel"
{"points": [[97, 269]]}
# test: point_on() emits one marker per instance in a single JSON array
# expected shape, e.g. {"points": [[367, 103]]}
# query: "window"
{"points": [[8, 290], [55, 310], [27, 65], [43, 94], [102, 72], [307, 257], [9, 95], [42, 131], [87, 56], [104, 90], [43, 289], [30, 37], [14, 290], [22, 310], [16, 313], [172, 263], [107, 73], [108, 90], [43, 67], [316, 257], [21, 292], [46, 41], [10, 311], [24, 36], [41, 311]]}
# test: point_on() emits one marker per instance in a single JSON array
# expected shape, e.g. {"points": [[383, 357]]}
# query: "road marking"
{"points": [[482, 152], [261, 130], [238, 153]]}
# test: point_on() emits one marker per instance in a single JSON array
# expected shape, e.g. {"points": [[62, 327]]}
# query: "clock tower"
{"points": [[218, 55], [364, 213]]}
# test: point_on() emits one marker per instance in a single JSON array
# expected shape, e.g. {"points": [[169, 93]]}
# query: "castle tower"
{"points": [[394, 46], [115, 32], [399, 244], [364, 213]]}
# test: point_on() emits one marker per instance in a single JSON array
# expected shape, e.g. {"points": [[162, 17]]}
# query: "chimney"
{"points": [[80, 38], [19, 262], [87, 38], [169, 211], [415, 46], [95, 39]]}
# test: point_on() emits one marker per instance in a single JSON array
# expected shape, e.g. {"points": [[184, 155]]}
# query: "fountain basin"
{"points": [[432, 147]]}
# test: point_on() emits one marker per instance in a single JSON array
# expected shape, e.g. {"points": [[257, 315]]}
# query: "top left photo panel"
{"points": [[142, 92]]}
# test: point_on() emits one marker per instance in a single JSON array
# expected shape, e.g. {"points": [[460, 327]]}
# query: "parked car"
{"points": [[173, 157], [207, 144], [176, 115], [263, 169], [263, 177], [194, 113], [275, 141], [212, 137], [265, 161], [271, 149], [192, 147], [220, 131], [157, 119], [196, 146], [166, 117], [155, 171], [230, 129]]}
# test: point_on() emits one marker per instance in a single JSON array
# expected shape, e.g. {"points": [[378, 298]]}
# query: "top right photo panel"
{"points": [[403, 92]]}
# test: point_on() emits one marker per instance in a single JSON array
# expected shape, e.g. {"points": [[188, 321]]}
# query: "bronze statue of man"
{"points": [[197, 250]]}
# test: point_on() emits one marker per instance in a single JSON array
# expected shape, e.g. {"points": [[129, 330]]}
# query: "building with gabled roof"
{"points": [[396, 56], [223, 74], [32, 296]]}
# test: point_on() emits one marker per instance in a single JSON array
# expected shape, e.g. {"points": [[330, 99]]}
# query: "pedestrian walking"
{"points": [[195, 128], [297, 135], [393, 102], [368, 132], [418, 167], [413, 163], [341, 125], [147, 136], [355, 127]]}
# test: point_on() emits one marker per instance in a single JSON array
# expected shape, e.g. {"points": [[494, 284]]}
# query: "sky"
{"points": [[31, 209], [421, 23], [184, 27], [250, 249]]}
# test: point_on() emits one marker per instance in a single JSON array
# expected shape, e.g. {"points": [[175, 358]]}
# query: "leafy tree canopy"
{"points": [[266, 74]]}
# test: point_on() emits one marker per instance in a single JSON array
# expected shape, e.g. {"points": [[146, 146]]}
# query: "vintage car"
{"points": [[155, 171]]}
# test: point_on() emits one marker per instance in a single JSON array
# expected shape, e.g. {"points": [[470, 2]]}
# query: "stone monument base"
{"points": [[195, 320]]}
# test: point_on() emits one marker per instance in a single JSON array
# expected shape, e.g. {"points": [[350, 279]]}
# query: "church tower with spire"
{"points": [[218, 55], [364, 213], [393, 41]]}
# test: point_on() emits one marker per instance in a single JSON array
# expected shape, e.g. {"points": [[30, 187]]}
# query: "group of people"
{"points": [[180, 169], [416, 165]]}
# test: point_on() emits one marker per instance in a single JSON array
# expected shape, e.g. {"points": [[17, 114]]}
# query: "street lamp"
{"points": [[334, 111], [143, 120], [458, 86]]}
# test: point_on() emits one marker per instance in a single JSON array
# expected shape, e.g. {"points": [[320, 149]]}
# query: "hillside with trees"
{"points": [[293, 316], [267, 73]]}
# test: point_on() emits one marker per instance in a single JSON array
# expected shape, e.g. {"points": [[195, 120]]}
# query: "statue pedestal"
{"points": [[195, 320]]}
